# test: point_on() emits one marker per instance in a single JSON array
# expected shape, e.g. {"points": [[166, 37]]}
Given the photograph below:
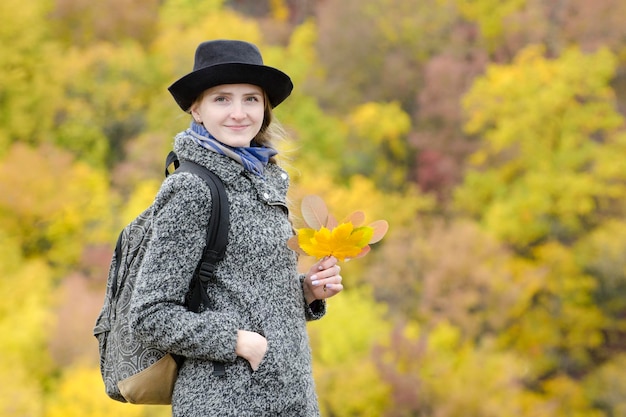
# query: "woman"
{"points": [[256, 325]]}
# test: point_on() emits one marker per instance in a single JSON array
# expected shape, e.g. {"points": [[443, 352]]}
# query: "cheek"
{"points": [[210, 116], [259, 115]]}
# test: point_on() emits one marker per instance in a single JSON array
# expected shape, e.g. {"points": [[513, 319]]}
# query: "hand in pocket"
{"points": [[252, 347]]}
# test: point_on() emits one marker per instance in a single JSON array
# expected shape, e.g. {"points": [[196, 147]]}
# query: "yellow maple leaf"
{"points": [[343, 241]]}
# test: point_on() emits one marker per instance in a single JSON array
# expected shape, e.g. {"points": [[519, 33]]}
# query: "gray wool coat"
{"points": [[256, 288]]}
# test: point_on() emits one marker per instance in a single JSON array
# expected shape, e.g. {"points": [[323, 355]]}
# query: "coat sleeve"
{"points": [[316, 310], [158, 313]]}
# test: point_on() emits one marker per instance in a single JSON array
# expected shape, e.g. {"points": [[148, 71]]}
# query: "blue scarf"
{"points": [[253, 158]]}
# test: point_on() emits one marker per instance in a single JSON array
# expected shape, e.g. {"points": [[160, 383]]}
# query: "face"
{"points": [[232, 113]]}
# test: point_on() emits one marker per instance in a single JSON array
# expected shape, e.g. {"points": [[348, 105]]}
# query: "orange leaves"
{"points": [[315, 213], [326, 237]]}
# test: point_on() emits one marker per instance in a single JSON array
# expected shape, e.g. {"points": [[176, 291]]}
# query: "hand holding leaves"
{"points": [[326, 237]]}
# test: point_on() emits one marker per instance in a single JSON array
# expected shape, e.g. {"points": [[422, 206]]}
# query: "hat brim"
{"points": [[276, 84]]}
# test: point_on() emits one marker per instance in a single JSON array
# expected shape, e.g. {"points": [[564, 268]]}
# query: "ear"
{"points": [[195, 114]]}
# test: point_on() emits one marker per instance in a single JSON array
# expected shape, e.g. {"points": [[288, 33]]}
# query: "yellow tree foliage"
{"points": [[373, 50], [379, 146], [279, 10], [607, 385], [107, 90], [76, 305], [316, 140], [139, 200], [603, 253], [184, 13], [465, 276], [25, 318], [453, 377], [30, 75], [298, 58], [52, 204], [540, 314], [84, 22], [549, 130], [558, 324], [347, 381], [562, 397], [489, 15]]}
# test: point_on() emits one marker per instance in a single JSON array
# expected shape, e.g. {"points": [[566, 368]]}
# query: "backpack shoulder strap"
{"points": [[171, 158], [217, 231], [217, 237], [217, 234]]}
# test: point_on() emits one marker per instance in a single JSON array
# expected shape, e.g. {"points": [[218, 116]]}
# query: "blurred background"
{"points": [[489, 133]]}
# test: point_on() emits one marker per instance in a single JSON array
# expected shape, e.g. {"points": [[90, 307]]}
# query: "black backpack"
{"points": [[131, 371]]}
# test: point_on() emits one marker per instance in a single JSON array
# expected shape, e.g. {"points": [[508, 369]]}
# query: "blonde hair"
{"points": [[271, 130]]}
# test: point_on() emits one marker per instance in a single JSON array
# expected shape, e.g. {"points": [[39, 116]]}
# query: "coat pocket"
{"points": [[267, 364]]}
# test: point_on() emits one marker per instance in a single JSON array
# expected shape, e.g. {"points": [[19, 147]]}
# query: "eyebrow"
{"points": [[230, 93]]}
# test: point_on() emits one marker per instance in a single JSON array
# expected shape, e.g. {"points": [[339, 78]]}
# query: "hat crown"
{"points": [[224, 52]]}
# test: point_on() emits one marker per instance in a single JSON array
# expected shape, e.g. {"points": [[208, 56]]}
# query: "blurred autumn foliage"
{"points": [[489, 133]]}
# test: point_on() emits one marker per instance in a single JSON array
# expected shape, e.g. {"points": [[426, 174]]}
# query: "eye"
{"points": [[252, 98], [220, 99]]}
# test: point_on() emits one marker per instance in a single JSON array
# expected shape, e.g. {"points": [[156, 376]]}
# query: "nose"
{"points": [[237, 111]]}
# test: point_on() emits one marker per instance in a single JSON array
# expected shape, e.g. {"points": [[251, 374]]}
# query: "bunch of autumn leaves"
{"points": [[347, 240]]}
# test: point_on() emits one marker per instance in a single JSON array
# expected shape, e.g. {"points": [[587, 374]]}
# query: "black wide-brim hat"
{"points": [[230, 62]]}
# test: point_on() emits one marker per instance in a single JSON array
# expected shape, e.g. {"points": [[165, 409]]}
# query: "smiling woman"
{"points": [[254, 329]]}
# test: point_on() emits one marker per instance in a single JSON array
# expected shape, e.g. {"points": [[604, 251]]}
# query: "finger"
{"points": [[332, 289], [321, 279], [328, 273], [330, 282], [327, 263]]}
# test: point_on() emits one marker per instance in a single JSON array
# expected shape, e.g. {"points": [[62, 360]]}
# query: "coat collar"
{"points": [[227, 169]]}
